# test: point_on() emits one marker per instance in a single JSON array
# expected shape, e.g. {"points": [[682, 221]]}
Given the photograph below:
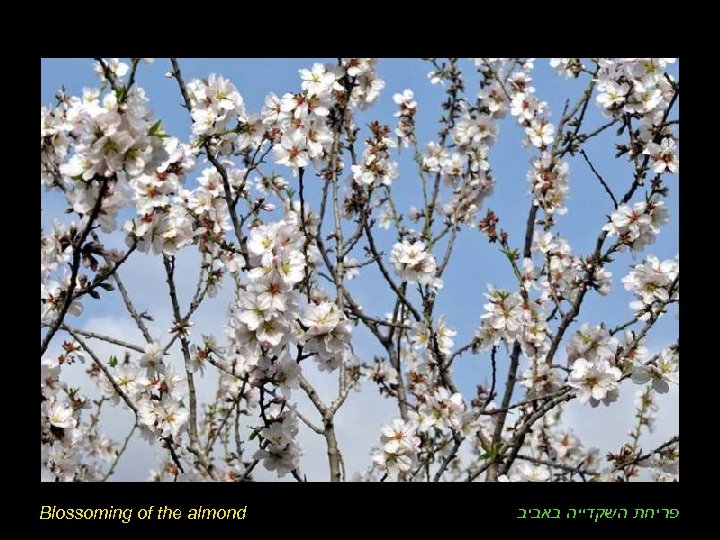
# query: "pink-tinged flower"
{"points": [[663, 156], [406, 99], [400, 436], [292, 151]]}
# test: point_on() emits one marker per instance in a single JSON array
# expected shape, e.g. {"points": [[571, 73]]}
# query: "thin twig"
{"points": [[111, 470], [102, 337], [599, 177], [131, 309]]}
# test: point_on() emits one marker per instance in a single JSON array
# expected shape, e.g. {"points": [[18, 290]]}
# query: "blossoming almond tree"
{"points": [[236, 192]]}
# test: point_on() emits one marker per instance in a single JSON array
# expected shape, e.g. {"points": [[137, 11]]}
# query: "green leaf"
{"points": [[113, 361], [121, 94], [492, 453], [156, 130]]}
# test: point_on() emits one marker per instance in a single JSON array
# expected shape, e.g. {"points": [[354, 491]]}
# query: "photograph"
{"points": [[359, 270]]}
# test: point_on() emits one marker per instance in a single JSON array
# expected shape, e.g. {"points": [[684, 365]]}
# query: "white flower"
{"points": [[291, 266], [271, 332], [412, 263], [442, 410], [171, 416], [61, 415], [613, 95], [317, 80], [540, 133], [594, 381], [394, 464], [525, 106], [504, 313], [115, 66], [444, 335], [651, 282], [567, 67], [405, 99], [591, 343], [527, 472], [661, 373], [292, 151], [321, 318], [400, 437], [152, 358], [663, 155], [327, 335], [129, 380], [639, 225], [281, 454]]}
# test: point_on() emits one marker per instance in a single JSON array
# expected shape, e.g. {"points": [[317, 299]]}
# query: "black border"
{"points": [[329, 509]]}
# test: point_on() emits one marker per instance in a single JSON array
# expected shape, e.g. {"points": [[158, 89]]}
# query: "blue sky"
{"points": [[475, 262]]}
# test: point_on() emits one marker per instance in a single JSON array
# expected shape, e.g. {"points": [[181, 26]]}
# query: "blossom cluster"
{"points": [[161, 226], [653, 283], [548, 176], [413, 263], [377, 167], [399, 449], [638, 226], [101, 152], [635, 86], [406, 117], [268, 318], [565, 271], [508, 317], [298, 121], [280, 452], [467, 169], [591, 354]]}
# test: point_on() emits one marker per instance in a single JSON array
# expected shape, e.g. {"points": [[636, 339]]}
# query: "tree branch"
{"points": [[75, 266]]}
